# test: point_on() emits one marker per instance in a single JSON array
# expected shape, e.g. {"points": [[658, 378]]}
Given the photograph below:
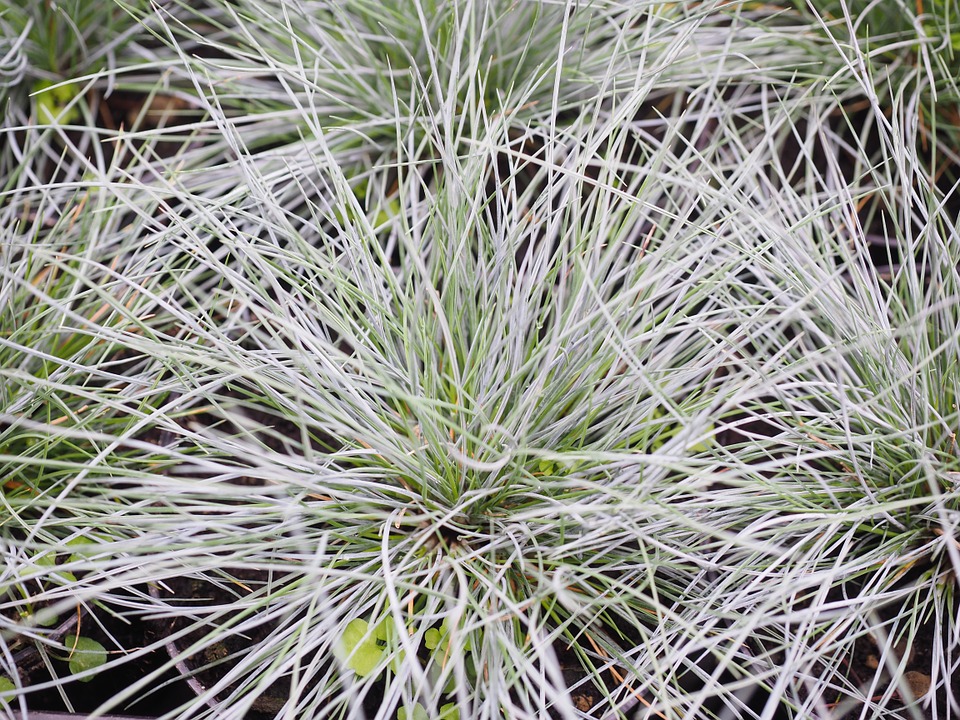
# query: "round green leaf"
{"points": [[419, 713], [432, 638], [358, 648], [84, 654]]}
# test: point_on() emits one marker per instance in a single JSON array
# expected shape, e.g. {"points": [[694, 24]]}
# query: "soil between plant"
{"points": [[85, 697], [214, 662]]}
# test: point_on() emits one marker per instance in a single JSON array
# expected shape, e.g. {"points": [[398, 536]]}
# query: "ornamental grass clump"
{"points": [[78, 399], [463, 378], [847, 453], [478, 461], [83, 400], [53, 53]]}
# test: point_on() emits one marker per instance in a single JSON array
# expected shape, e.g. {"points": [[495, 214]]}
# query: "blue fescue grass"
{"points": [[469, 348]]}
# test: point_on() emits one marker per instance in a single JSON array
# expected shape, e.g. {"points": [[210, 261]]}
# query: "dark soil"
{"points": [[172, 692], [215, 661], [84, 697]]}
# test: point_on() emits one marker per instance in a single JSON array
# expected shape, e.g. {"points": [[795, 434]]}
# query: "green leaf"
{"points": [[85, 654], [45, 560], [52, 101], [6, 685], [547, 467], [386, 630], [82, 547], [354, 633], [448, 711], [396, 662], [64, 576], [358, 648], [49, 560], [438, 640], [433, 638], [419, 713]]}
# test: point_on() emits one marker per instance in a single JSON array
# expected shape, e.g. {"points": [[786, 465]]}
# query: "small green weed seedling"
{"points": [[447, 712], [363, 648], [81, 653], [30, 612]]}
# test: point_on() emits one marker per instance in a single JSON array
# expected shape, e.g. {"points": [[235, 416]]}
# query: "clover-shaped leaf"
{"points": [[438, 640], [358, 648], [447, 712], [435, 639], [419, 713]]}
